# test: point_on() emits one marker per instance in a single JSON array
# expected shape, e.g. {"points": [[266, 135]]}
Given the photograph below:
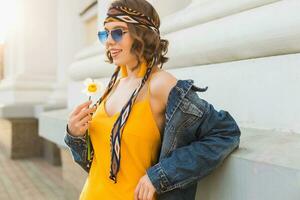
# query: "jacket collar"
{"points": [[176, 95]]}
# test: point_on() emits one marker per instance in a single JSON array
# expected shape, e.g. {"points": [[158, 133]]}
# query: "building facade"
{"points": [[246, 52]]}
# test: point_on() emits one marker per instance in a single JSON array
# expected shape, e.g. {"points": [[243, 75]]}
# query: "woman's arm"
{"points": [[78, 148], [76, 134], [218, 135]]}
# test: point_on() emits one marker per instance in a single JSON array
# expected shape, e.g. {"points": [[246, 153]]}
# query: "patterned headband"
{"points": [[128, 15]]}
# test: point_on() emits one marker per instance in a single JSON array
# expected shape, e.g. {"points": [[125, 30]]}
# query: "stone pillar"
{"points": [[30, 57], [70, 39], [1, 61], [30, 60], [77, 34], [19, 137]]}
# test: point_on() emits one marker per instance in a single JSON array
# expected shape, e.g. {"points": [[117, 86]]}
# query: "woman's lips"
{"points": [[114, 53]]}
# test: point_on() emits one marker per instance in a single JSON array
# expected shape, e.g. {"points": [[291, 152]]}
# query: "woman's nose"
{"points": [[109, 40]]}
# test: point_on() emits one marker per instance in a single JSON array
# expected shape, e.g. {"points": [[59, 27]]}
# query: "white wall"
{"points": [[248, 54], [242, 39], [260, 93]]}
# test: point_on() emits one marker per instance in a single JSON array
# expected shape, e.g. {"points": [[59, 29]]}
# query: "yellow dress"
{"points": [[140, 144]]}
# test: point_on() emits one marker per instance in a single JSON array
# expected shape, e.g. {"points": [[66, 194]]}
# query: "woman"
{"points": [[172, 138]]}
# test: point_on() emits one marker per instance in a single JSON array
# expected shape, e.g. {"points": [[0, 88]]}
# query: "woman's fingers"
{"points": [[141, 193], [78, 120], [80, 107], [144, 189], [84, 127], [150, 195], [145, 193], [84, 120], [136, 192], [84, 113]]}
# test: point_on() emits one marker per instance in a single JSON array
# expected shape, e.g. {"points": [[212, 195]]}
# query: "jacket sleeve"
{"points": [[78, 148], [218, 135]]}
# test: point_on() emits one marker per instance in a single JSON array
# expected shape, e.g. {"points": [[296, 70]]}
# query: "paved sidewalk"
{"points": [[32, 179]]}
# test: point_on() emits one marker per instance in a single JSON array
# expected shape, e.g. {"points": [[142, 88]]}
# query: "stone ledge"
{"points": [[17, 111], [51, 153], [266, 166], [257, 145], [52, 125], [270, 147]]}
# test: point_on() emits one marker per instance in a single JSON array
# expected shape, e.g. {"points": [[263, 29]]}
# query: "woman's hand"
{"points": [[79, 119], [144, 189]]}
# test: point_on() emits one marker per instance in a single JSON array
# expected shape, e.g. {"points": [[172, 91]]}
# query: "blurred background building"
{"points": [[247, 53]]}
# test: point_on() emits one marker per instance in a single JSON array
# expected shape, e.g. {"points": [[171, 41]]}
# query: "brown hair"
{"points": [[146, 43]]}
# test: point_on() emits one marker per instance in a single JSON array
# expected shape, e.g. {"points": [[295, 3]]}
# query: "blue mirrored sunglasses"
{"points": [[116, 35]]}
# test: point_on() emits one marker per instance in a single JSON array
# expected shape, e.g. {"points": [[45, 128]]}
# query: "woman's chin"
{"points": [[117, 61]]}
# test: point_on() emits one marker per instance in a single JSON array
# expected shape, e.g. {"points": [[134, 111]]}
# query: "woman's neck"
{"points": [[132, 72]]}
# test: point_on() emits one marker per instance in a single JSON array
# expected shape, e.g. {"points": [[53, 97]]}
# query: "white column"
{"points": [[30, 58], [89, 61], [70, 39]]}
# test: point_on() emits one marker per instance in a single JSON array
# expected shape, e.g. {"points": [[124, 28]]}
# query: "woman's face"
{"points": [[120, 51]]}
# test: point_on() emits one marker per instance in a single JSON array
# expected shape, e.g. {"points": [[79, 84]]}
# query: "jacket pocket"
{"points": [[190, 113]]}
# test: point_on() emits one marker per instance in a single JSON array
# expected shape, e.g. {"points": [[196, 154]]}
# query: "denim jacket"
{"points": [[195, 141]]}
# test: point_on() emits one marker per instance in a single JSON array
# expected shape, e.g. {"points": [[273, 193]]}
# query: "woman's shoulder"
{"points": [[161, 84]]}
